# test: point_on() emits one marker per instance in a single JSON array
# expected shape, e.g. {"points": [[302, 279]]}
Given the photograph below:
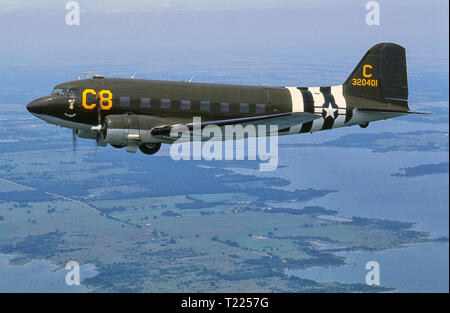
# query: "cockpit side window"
{"points": [[74, 93], [60, 91]]}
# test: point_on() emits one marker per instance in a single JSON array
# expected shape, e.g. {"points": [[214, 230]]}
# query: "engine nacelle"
{"points": [[129, 129]]}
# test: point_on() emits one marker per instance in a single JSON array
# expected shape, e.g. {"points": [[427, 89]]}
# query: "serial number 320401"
{"points": [[365, 82]]}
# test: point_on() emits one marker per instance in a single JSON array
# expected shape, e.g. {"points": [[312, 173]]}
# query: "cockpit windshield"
{"points": [[60, 91]]}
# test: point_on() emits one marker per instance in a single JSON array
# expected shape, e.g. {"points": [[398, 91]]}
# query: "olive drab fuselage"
{"points": [[144, 111]]}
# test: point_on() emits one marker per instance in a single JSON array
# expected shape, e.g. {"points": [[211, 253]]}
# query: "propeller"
{"points": [[99, 122], [100, 126], [74, 141]]}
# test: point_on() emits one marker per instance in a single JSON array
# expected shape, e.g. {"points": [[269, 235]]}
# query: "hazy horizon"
{"points": [[135, 29]]}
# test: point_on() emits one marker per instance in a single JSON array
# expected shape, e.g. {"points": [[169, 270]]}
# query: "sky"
{"points": [[33, 29], [129, 35], [145, 5]]}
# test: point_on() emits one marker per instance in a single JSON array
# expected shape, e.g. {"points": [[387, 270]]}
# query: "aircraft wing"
{"points": [[282, 120]]}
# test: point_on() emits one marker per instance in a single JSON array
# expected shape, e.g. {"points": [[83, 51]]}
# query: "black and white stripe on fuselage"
{"points": [[326, 101]]}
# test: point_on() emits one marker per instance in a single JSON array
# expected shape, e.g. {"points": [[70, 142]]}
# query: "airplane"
{"points": [[137, 113]]}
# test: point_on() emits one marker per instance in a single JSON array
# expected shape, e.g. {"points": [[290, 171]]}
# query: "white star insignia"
{"points": [[329, 111]]}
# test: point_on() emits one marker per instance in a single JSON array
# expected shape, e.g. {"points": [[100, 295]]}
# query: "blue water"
{"points": [[39, 276], [363, 178], [417, 268], [367, 189]]}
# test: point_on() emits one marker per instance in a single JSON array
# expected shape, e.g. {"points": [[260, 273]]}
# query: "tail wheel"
{"points": [[150, 148], [364, 125]]}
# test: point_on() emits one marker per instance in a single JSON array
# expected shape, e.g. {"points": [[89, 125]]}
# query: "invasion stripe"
{"points": [[308, 101], [308, 104], [325, 90], [306, 127], [348, 115], [297, 99], [297, 106], [295, 129], [338, 94], [328, 123], [328, 97], [319, 100]]}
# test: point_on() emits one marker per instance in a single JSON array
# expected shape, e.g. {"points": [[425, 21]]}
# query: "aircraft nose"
{"points": [[36, 107]]}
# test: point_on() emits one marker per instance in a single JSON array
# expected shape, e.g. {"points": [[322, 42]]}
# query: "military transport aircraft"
{"points": [[137, 113]]}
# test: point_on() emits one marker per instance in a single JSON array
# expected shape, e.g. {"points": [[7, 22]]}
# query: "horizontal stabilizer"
{"points": [[393, 111]]}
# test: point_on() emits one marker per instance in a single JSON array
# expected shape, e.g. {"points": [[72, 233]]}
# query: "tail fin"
{"points": [[381, 76]]}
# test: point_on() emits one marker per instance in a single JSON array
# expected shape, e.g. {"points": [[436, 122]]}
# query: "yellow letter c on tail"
{"points": [[364, 70]]}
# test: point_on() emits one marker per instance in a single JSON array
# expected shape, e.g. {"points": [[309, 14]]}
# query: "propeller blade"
{"points": [[96, 147], [99, 120], [99, 114], [74, 141]]}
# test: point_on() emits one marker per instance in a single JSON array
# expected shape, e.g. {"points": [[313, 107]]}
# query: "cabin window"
{"points": [[145, 103], [260, 108], [244, 108], [224, 107], [185, 104], [204, 106], [124, 101], [165, 103]]}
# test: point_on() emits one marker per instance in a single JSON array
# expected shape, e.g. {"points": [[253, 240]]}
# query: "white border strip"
{"points": [[297, 99]]}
